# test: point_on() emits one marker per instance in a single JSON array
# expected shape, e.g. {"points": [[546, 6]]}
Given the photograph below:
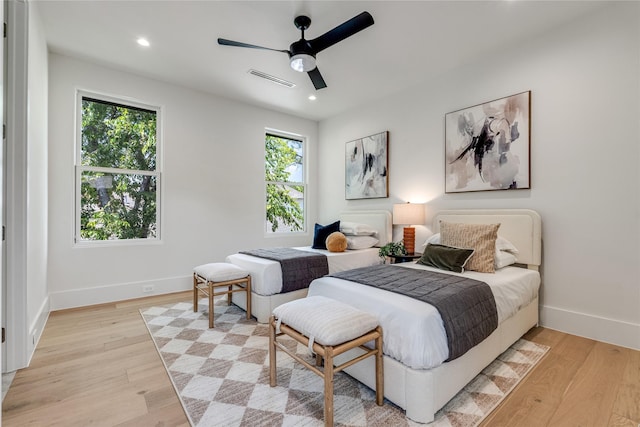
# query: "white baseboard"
{"points": [[37, 327], [611, 331], [118, 292]]}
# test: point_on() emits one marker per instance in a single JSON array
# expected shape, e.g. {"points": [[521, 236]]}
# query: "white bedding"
{"points": [[413, 330], [266, 275]]}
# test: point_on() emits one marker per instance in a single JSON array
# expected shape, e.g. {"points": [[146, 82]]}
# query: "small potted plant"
{"points": [[392, 248]]}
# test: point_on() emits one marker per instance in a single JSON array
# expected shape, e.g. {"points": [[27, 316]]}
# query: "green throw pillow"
{"points": [[445, 257]]}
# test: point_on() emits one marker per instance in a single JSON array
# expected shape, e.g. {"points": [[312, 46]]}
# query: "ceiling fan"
{"points": [[302, 54]]}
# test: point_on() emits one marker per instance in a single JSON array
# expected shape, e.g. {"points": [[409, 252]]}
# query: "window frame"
{"points": [[79, 169], [303, 140]]}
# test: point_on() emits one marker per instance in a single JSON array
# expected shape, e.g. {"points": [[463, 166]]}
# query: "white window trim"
{"points": [[127, 102], [305, 162]]}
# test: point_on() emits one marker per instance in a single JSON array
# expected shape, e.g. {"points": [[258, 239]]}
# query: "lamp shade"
{"points": [[408, 213]]}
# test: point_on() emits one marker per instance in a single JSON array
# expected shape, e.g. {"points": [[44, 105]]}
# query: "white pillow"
{"points": [[504, 250], [503, 259], [361, 242], [356, 229], [502, 244]]}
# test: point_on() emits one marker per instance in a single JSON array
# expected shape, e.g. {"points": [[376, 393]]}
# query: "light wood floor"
{"points": [[98, 366]]}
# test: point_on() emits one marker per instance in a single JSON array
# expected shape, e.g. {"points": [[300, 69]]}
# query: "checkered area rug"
{"points": [[222, 376]]}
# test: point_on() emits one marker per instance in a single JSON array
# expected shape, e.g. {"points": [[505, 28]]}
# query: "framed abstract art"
{"points": [[366, 167], [487, 146]]}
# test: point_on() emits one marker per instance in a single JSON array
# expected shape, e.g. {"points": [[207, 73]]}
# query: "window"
{"points": [[285, 183], [117, 179]]}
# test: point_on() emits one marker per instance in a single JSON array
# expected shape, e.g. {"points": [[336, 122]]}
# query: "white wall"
{"points": [[26, 185], [212, 186], [37, 180], [585, 157]]}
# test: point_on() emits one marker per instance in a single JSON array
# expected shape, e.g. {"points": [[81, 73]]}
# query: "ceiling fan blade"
{"points": [[342, 31], [316, 78], [226, 42]]}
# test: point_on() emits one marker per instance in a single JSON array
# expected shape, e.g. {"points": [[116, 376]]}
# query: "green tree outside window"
{"points": [[117, 172], [284, 177]]}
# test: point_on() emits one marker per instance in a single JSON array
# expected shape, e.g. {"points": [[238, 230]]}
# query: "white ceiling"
{"points": [[411, 41]]}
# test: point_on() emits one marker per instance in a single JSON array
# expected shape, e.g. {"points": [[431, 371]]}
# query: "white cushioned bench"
{"points": [[208, 277], [329, 328]]}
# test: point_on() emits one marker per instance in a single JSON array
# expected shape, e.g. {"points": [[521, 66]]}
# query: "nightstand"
{"points": [[397, 259]]}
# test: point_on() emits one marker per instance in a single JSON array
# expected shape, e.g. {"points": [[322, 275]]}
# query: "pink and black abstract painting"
{"points": [[487, 146]]}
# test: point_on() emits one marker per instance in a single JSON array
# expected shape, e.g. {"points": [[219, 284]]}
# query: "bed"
{"points": [[266, 275], [423, 384]]}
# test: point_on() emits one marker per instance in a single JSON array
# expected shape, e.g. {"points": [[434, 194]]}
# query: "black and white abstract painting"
{"points": [[487, 146], [366, 167]]}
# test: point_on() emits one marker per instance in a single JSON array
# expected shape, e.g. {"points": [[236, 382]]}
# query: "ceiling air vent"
{"points": [[271, 78]]}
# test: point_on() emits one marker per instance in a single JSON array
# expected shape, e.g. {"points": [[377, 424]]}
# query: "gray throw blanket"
{"points": [[467, 306], [299, 268]]}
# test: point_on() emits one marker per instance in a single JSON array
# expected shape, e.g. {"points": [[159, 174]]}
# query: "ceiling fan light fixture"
{"points": [[302, 53], [303, 62]]}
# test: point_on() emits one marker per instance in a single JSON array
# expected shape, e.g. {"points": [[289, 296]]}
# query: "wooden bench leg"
{"points": [[328, 386], [272, 352], [379, 369], [248, 286], [195, 293], [210, 304]]}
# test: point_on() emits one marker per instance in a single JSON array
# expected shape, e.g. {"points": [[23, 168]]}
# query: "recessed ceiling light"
{"points": [[143, 42], [312, 98]]}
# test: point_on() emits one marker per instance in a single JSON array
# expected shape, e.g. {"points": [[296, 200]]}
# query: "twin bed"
{"points": [[419, 377], [266, 275]]}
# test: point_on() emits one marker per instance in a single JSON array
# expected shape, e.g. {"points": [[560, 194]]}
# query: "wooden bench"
{"points": [[208, 277], [329, 328]]}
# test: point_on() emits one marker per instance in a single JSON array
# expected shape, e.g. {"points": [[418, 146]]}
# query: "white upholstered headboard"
{"points": [[522, 227], [379, 219]]}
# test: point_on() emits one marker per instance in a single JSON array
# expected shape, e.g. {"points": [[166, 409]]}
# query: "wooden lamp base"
{"points": [[409, 240]]}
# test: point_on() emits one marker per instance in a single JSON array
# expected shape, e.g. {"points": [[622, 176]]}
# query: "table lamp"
{"points": [[408, 214]]}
